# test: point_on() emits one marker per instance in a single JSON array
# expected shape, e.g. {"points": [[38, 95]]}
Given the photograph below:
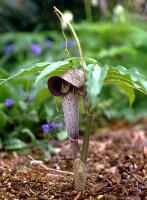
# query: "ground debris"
{"points": [[117, 170]]}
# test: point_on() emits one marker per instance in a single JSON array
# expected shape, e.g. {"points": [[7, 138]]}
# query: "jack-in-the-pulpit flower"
{"points": [[69, 87]]}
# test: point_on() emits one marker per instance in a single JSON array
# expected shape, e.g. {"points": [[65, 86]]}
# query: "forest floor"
{"points": [[117, 169]]}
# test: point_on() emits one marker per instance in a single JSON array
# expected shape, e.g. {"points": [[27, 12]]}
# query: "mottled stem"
{"points": [[80, 164]]}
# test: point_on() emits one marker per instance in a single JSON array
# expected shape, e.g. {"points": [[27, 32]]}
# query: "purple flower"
{"points": [[9, 48], [57, 125], [49, 43], [71, 42], [51, 126], [45, 128], [31, 97], [36, 49], [9, 102]]}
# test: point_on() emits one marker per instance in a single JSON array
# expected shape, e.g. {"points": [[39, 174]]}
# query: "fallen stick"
{"points": [[38, 162]]}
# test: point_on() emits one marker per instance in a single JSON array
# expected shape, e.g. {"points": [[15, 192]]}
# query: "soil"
{"points": [[117, 169]]}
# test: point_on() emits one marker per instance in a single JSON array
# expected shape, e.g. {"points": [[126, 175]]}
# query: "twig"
{"points": [[102, 177], [31, 190], [56, 170], [66, 172], [55, 175], [77, 196], [27, 193], [44, 192], [48, 168]]}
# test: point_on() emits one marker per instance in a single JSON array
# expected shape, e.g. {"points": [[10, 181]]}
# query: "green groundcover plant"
{"points": [[81, 77]]}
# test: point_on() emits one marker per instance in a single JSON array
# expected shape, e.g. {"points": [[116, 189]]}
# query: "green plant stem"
{"points": [[75, 36], [88, 10], [85, 145]]}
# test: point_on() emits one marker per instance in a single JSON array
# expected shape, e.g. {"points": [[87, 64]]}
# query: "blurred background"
{"points": [[112, 32]]}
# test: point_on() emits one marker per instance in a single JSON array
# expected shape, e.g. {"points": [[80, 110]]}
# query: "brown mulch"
{"points": [[117, 170]]}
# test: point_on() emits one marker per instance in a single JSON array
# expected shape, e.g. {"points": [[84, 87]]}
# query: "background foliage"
{"points": [[110, 34]]}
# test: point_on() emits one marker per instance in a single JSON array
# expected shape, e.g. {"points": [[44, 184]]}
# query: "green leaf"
{"points": [[3, 73], [46, 69], [129, 92], [95, 80], [114, 51], [6, 91], [90, 60], [62, 135], [30, 134], [26, 71], [23, 105], [54, 69], [126, 77], [14, 144], [78, 60], [41, 96]]}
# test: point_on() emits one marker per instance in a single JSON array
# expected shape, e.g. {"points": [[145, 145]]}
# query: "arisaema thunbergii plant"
{"points": [[83, 77]]}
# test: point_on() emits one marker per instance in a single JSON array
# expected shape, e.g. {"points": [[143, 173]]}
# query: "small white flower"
{"points": [[119, 13], [94, 3], [67, 17], [118, 9]]}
